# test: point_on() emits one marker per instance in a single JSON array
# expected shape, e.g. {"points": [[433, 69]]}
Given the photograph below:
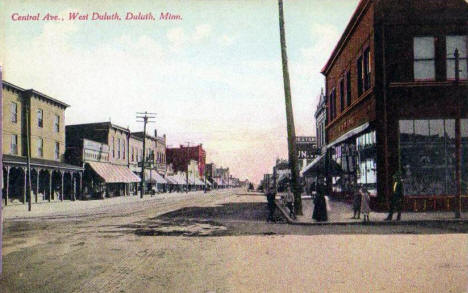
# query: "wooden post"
{"points": [[50, 184], [458, 202], [61, 186], [24, 185], [37, 184], [74, 187], [81, 185], [7, 185]]}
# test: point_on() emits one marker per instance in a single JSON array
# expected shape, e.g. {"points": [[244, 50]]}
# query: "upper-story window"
{"points": [[40, 115], [342, 98], [367, 69], [333, 105], [14, 144], [460, 43], [118, 146], [14, 112], [57, 123], [40, 147], [359, 76], [113, 147], [348, 88], [424, 63], [123, 149], [57, 151]]}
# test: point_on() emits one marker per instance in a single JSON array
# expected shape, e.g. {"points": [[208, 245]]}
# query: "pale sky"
{"points": [[213, 77]]}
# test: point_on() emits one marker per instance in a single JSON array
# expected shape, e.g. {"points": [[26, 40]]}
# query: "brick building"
{"points": [[180, 158], [394, 104], [51, 178]]}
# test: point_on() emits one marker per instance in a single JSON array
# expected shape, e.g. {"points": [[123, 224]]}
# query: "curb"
{"points": [[371, 223]]}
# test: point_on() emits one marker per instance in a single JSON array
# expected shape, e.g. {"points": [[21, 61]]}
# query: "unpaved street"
{"points": [[220, 242]]}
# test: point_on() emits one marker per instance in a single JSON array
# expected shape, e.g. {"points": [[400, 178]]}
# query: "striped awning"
{"points": [[154, 177], [114, 173]]}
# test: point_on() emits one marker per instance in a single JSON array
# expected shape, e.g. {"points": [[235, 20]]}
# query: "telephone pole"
{"points": [[28, 152], [289, 118], [188, 161], [146, 118]]}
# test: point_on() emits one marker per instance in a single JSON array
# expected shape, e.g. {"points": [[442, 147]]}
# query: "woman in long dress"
{"points": [[320, 206]]}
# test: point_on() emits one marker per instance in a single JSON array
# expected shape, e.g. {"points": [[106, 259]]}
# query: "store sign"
{"points": [[306, 139], [306, 147]]}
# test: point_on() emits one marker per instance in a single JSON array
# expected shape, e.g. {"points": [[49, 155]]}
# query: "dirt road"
{"points": [[220, 242]]}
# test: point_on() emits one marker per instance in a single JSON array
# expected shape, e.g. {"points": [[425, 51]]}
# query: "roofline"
{"points": [[357, 15], [102, 123], [38, 93]]}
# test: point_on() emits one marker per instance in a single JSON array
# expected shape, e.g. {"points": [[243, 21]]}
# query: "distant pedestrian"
{"points": [[365, 206], [356, 203], [271, 194], [290, 202], [320, 206], [396, 202]]}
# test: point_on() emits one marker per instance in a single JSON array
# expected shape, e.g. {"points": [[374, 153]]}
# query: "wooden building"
{"points": [[30, 114], [103, 150], [396, 103]]}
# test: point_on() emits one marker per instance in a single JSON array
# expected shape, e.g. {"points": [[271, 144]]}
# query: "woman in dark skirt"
{"points": [[320, 205]]}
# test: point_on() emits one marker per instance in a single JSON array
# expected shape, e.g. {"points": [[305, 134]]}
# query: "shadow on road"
{"points": [[250, 219]]}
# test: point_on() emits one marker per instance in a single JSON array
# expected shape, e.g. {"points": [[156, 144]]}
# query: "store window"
{"points": [[452, 43], [423, 54], [367, 161], [464, 166], [427, 154]]}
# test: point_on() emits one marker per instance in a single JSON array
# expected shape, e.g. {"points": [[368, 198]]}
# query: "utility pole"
{"points": [[28, 152], [289, 117], [458, 205], [146, 118], [186, 169]]}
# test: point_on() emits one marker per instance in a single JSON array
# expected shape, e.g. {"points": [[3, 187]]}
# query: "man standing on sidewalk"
{"points": [[397, 197]]}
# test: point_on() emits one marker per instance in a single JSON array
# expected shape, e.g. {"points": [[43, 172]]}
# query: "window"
{"points": [[57, 123], [424, 64], [14, 144], [113, 147], [452, 43], [342, 104], [118, 150], [332, 104], [14, 112], [348, 88], [367, 69], [40, 147], [123, 149], [39, 118], [133, 154], [427, 152], [359, 76], [57, 151]]}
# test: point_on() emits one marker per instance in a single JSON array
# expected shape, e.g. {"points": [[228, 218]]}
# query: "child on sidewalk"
{"points": [[365, 208]]}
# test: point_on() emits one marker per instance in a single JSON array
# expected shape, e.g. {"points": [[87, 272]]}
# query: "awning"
{"points": [[154, 177], [114, 173], [283, 177], [349, 134], [317, 166], [313, 166]]}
